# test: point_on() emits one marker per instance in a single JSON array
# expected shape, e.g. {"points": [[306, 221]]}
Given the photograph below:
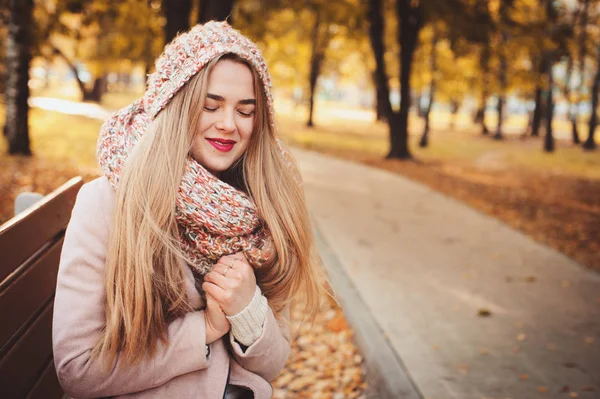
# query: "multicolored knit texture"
{"points": [[214, 218], [189, 52]]}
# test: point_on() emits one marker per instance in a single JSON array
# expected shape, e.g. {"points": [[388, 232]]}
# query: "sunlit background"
{"points": [[339, 69]]}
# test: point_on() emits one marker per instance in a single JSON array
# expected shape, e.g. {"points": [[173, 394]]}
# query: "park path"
{"points": [[427, 269], [471, 308]]}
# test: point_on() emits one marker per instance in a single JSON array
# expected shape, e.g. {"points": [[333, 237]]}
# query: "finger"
{"points": [[241, 256], [239, 263], [212, 303], [225, 271], [228, 261], [218, 279], [215, 291]]}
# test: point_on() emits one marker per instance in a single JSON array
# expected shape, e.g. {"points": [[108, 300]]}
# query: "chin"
{"points": [[217, 169]]}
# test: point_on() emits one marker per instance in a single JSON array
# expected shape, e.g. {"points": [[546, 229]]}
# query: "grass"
{"points": [[464, 146], [63, 147], [555, 198], [552, 197]]}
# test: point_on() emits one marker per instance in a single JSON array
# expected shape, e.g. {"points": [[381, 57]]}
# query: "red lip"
{"points": [[222, 145]]}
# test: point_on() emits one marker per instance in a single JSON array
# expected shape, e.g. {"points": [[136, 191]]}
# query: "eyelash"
{"points": [[244, 114]]}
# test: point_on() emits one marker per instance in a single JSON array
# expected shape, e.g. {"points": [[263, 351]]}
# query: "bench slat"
{"points": [[21, 298], [47, 386], [24, 234], [21, 367]]}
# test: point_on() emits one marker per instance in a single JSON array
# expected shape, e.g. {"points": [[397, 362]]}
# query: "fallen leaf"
{"points": [[285, 379], [588, 388], [482, 312], [524, 377], [530, 279], [337, 324], [521, 337], [542, 389], [573, 395], [462, 368]]}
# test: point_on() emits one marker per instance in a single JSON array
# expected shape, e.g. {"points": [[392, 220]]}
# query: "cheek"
{"points": [[246, 128], [206, 121]]}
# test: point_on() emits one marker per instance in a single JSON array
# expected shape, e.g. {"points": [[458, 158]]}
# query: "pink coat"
{"points": [[178, 370]]}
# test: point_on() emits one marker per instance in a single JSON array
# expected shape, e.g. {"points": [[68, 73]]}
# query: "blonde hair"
{"points": [[145, 281]]}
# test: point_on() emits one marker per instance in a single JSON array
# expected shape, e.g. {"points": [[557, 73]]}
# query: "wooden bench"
{"points": [[30, 245]]}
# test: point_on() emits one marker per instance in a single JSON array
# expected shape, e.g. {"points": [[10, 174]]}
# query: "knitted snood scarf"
{"points": [[214, 218]]}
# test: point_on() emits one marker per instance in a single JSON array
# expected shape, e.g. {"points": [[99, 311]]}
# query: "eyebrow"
{"points": [[221, 98]]}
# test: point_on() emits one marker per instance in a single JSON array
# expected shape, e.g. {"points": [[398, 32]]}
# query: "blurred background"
{"points": [[492, 102]]}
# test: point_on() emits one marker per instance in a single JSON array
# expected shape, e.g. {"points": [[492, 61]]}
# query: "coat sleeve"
{"points": [[269, 353], [79, 313]]}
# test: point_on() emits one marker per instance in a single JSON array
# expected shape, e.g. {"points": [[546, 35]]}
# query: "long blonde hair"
{"points": [[145, 281]]}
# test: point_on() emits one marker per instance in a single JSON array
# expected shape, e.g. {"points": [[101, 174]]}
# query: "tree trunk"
{"points": [[543, 107], [424, 142], [536, 120], [98, 89], [379, 102], [177, 15], [316, 60], [567, 95], [376, 29], [589, 143], [18, 58], [417, 102], [398, 142], [218, 10], [85, 93], [148, 57], [502, 95], [410, 18], [582, 54], [502, 71], [480, 114], [549, 137], [549, 55], [484, 65], [454, 107]]}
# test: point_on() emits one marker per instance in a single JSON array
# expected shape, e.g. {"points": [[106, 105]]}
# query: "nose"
{"points": [[227, 122]]}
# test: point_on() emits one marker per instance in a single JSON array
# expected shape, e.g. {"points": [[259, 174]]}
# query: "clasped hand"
{"points": [[229, 288]]}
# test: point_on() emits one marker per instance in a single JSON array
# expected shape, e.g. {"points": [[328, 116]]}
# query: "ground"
{"points": [[554, 198]]}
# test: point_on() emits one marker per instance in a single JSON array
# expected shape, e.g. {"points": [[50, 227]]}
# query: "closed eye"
{"points": [[246, 114], [209, 109]]}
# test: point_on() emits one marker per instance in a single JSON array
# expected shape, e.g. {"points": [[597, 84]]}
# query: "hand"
{"points": [[231, 283], [217, 324]]}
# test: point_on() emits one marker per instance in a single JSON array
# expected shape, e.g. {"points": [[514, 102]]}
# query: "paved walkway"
{"points": [[424, 266], [415, 268]]}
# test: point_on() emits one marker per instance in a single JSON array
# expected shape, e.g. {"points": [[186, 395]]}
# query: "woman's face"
{"points": [[227, 120]]}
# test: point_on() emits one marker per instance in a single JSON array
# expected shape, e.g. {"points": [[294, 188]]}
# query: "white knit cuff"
{"points": [[247, 325]]}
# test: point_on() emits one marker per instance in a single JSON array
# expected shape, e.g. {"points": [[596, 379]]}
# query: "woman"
{"points": [[179, 264]]}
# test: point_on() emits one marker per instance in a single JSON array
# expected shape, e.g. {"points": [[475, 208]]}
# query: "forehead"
{"points": [[229, 78]]}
